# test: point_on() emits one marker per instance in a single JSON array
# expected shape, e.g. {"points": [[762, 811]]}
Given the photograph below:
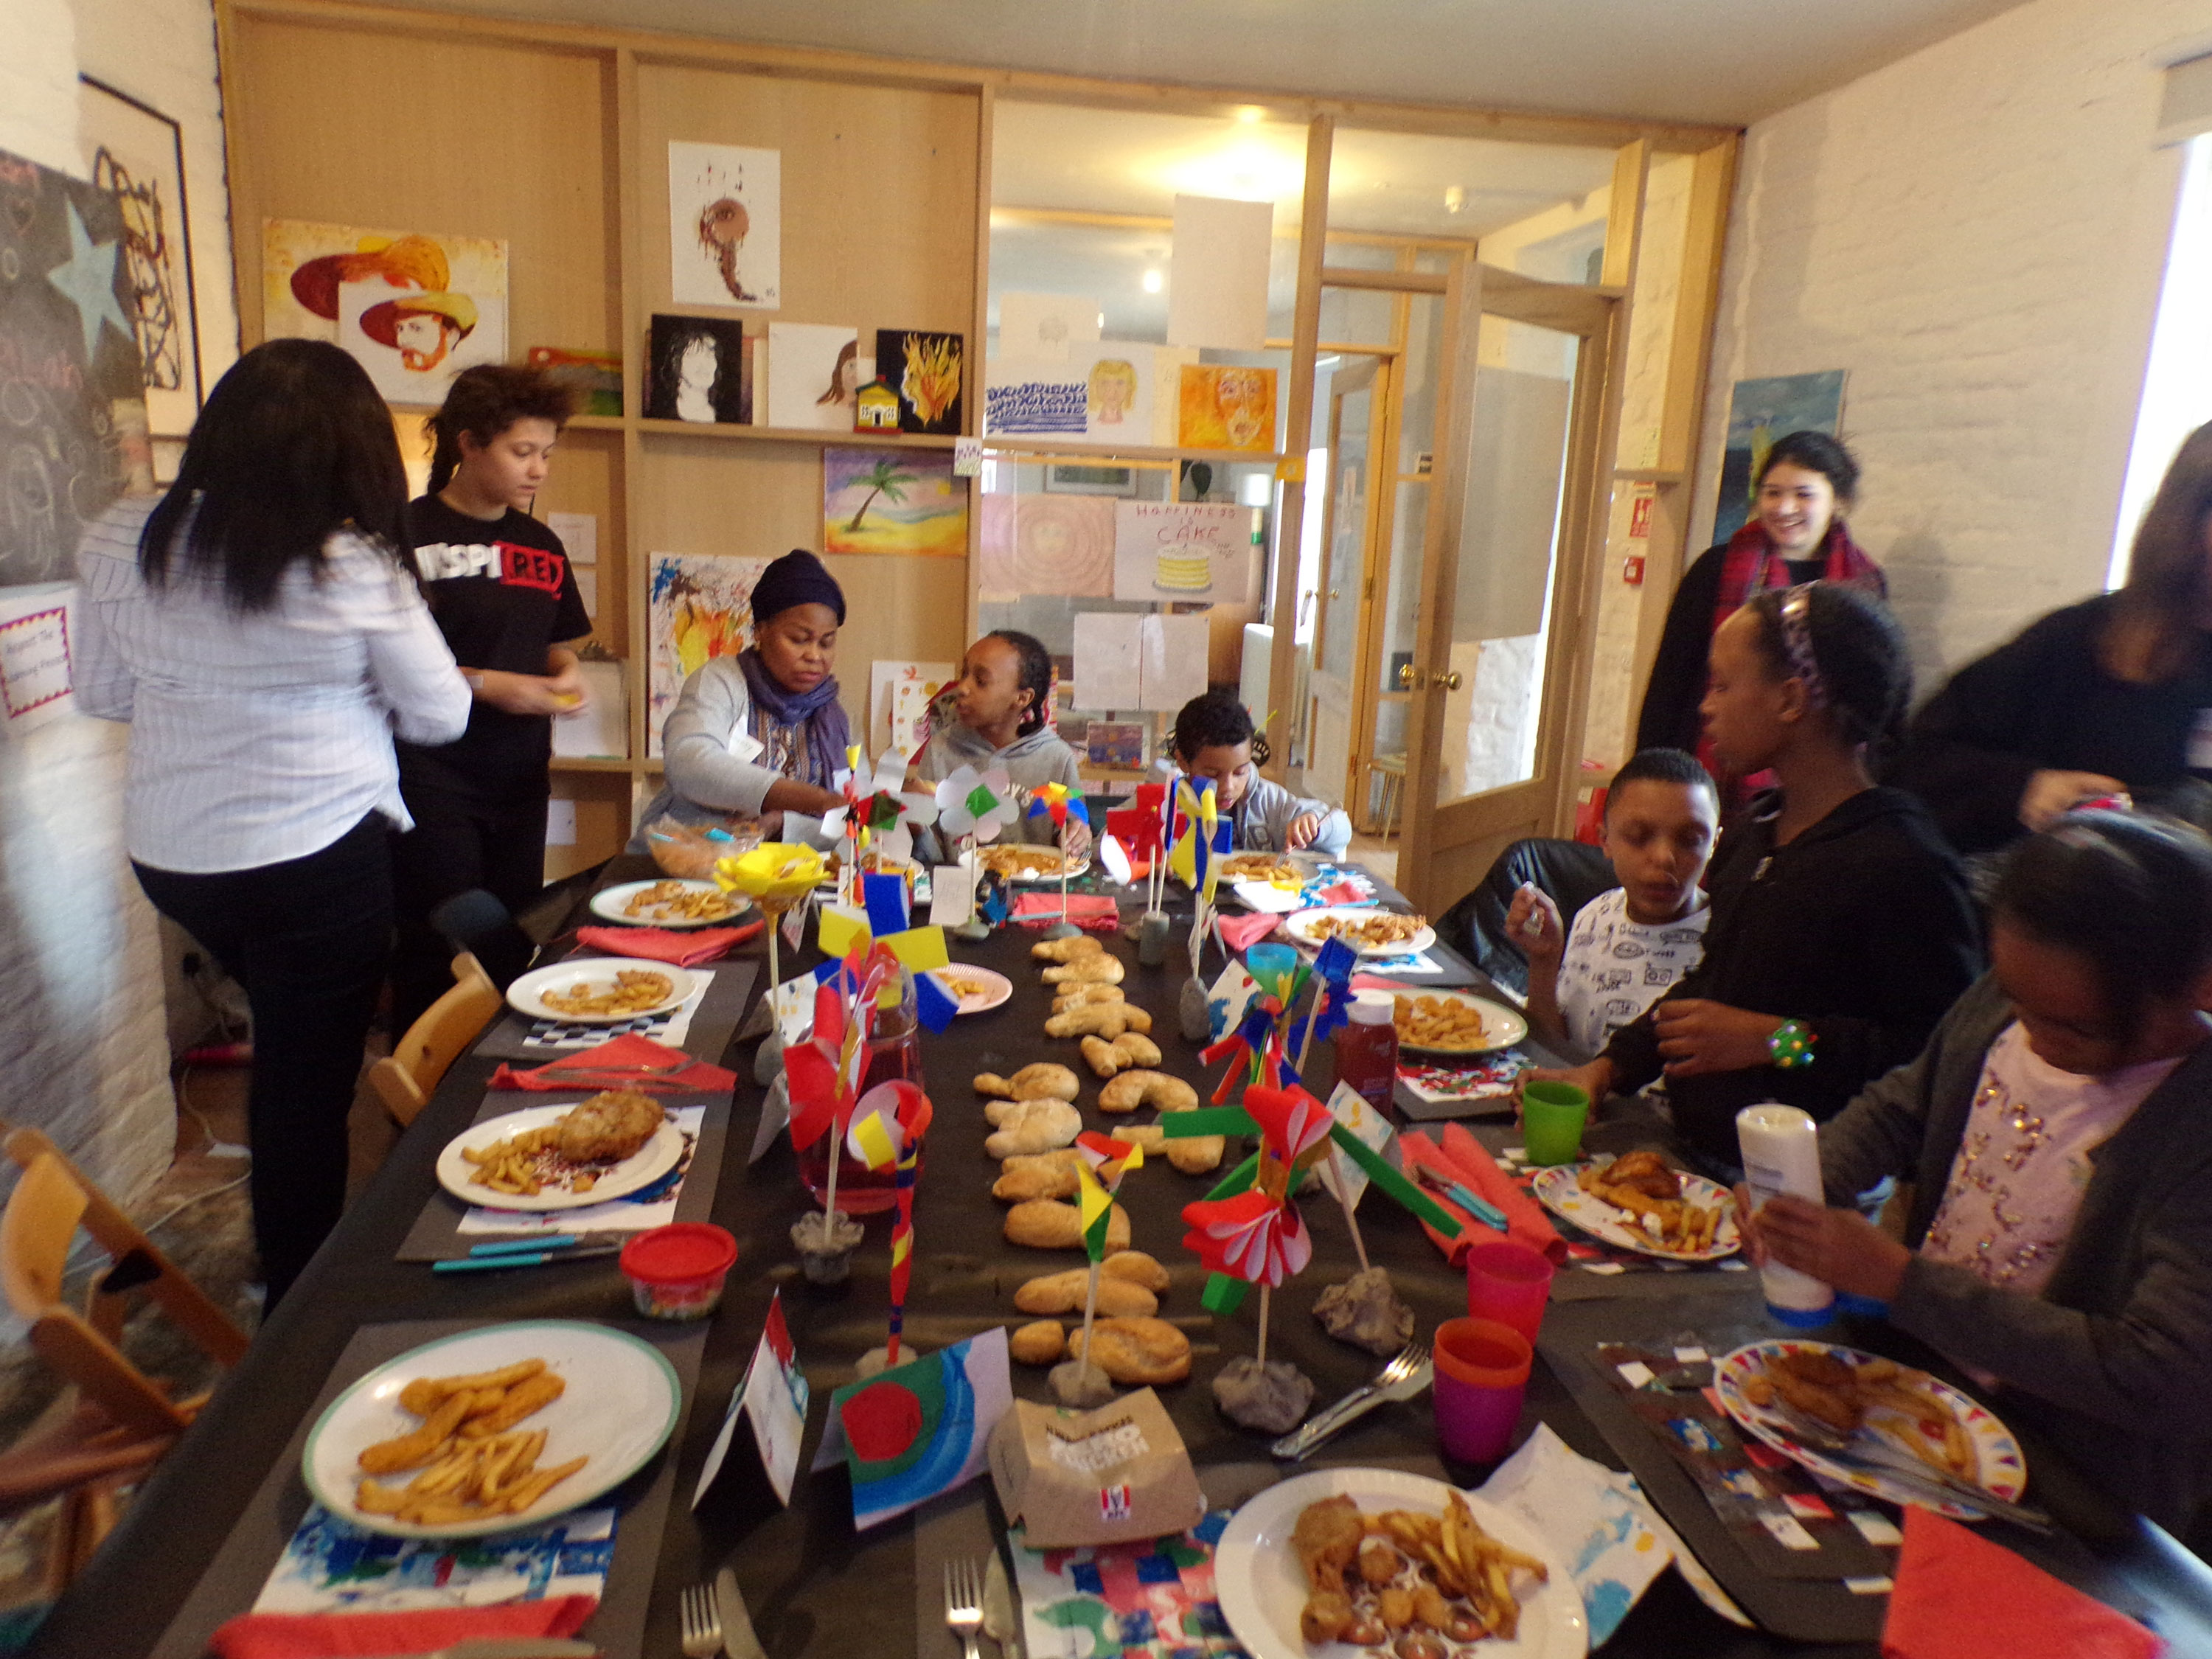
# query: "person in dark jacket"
{"points": [[2059, 1241], [1806, 483], [2107, 697], [1841, 925]]}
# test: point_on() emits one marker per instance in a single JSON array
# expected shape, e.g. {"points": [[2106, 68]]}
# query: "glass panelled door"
{"points": [[1348, 529]]}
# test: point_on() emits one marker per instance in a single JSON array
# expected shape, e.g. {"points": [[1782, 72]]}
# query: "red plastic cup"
{"points": [[677, 1271], [1481, 1374], [1508, 1282]]}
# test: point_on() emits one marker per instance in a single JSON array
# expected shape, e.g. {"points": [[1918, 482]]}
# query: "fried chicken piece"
{"points": [[1395, 1608], [1819, 1385], [1647, 1173], [1327, 1537], [1378, 1562], [1325, 1616], [609, 1128], [1429, 1607]]}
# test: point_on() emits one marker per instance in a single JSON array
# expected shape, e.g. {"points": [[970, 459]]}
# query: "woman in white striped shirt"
{"points": [[261, 628]]}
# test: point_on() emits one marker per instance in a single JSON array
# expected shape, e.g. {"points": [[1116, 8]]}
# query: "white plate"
{"points": [[1301, 927], [642, 1169], [1261, 1586], [2000, 1469], [1502, 1027], [1555, 1189], [598, 972], [1080, 867], [997, 988], [618, 1408], [610, 902]]}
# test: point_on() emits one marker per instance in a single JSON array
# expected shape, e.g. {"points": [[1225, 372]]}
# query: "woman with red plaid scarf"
{"points": [[1805, 485]]}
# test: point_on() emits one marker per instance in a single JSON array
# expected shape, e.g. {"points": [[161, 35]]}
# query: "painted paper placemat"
{"points": [[1153, 1599]]}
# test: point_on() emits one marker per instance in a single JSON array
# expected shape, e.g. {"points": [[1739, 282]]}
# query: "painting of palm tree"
{"points": [[893, 501], [886, 478]]}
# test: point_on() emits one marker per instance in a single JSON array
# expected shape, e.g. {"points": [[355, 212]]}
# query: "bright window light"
{"points": [[2177, 396]]}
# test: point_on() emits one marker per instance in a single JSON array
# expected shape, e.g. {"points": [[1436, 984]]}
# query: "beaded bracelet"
{"points": [[1791, 1047]]}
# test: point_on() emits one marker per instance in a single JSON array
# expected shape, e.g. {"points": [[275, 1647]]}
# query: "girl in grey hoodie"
{"points": [[1003, 705]]}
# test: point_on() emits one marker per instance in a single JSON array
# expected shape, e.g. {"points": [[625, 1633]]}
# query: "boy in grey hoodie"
{"points": [[1214, 744]]}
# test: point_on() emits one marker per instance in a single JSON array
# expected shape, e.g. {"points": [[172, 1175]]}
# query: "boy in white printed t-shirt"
{"points": [[1630, 943]]}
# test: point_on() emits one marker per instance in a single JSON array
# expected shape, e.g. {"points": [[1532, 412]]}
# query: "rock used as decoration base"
{"points": [[1365, 1311], [1272, 1398]]}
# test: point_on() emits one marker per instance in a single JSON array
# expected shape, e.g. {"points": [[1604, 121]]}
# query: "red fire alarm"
{"points": [[1639, 517], [1631, 570]]}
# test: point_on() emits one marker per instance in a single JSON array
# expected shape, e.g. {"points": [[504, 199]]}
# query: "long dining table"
{"points": [[199, 1538]]}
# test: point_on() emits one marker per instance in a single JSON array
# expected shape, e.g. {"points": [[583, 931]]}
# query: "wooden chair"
{"points": [[121, 1420], [407, 1080]]}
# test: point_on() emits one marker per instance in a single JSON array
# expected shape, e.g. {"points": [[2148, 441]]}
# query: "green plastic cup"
{"points": [[1552, 1119]]}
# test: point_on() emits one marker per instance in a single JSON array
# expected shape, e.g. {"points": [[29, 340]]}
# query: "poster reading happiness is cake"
{"points": [[1199, 551]]}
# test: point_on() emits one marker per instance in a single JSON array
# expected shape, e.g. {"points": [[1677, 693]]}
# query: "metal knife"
{"points": [[738, 1641], [999, 1622]]}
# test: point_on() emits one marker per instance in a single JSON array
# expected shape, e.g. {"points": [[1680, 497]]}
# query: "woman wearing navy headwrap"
{"points": [[762, 733]]}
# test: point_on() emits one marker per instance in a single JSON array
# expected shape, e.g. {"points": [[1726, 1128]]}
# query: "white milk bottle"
{"points": [[1780, 1152]]}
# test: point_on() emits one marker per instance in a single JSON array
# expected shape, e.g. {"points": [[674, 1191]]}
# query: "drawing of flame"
{"points": [[933, 375]]}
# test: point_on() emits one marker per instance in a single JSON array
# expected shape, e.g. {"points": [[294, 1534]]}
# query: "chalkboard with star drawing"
{"points": [[72, 405]]}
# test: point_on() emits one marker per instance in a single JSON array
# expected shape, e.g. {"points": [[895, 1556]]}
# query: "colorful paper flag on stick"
{"points": [[934, 1005], [885, 897], [1097, 1211]]}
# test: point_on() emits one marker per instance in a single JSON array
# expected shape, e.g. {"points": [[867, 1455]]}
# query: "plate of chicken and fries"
{"points": [[562, 1157], [492, 1429], [1346, 1561], [1638, 1202]]}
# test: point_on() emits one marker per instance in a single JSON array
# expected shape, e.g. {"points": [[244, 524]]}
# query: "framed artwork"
{"points": [[725, 225], [1759, 411], [701, 607], [702, 370], [1078, 478], [74, 436], [925, 370], [1221, 406], [138, 153], [893, 500], [412, 309]]}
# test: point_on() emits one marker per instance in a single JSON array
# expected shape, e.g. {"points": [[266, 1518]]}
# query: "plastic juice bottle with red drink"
{"points": [[894, 1052]]}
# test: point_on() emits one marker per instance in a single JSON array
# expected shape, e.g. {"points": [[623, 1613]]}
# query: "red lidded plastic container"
{"points": [[677, 1271]]}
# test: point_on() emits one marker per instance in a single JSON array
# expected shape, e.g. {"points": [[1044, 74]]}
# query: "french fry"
{"points": [[524, 1398], [375, 1498], [539, 1484]]}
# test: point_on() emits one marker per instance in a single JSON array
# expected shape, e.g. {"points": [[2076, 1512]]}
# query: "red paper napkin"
{"points": [[351, 1635], [1098, 911], [1242, 933], [628, 1061], [1462, 1159], [1959, 1596], [682, 950]]}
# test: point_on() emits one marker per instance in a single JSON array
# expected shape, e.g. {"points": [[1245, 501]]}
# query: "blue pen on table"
{"points": [[534, 1242], [484, 1264], [1476, 1206]]}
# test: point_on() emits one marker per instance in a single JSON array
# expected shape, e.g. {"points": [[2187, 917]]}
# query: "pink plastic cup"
{"points": [[1508, 1282], [1482, 1372]]}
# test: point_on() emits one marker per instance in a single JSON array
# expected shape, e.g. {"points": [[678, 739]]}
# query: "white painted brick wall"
{"points": [[84, 1043], [1976, 233]]}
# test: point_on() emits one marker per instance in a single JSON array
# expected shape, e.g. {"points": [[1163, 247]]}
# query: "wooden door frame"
{"points": [[1595, 316]]}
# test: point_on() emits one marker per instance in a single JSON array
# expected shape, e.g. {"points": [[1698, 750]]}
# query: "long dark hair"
{"points": [[294, 445], [1865, 669], [483, 401], [2130, 895], [1035, 676], [2161, 611]]}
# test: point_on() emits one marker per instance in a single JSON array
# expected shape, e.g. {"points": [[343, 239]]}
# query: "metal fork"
{"points": [[963, 1600], [1869, 1451], [703, 1622], [1405, 1375]]}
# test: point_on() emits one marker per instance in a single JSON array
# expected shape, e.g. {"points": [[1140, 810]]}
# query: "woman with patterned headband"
{"points": [[1841, 927]]}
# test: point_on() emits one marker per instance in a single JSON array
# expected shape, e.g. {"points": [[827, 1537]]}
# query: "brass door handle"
{"points": [[1409, 677], [1450, 682]]}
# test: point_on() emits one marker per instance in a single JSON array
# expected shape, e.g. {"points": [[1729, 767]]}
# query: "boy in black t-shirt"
{"points": [[500, 587]]}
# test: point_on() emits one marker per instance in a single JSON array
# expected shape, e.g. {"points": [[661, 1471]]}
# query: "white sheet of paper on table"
{"points": [[952, 896], [578, 534], [1219, 258]]}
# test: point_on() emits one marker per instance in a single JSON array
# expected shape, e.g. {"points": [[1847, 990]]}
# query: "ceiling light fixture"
{"points": [[1155, 280], [1455, 199]]}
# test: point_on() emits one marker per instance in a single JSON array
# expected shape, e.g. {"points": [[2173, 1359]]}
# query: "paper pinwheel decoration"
{"points": [[1203, 836], [875, 808], [1058, 802], [970, 803], [1258, 1236], [1150, 800]]}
